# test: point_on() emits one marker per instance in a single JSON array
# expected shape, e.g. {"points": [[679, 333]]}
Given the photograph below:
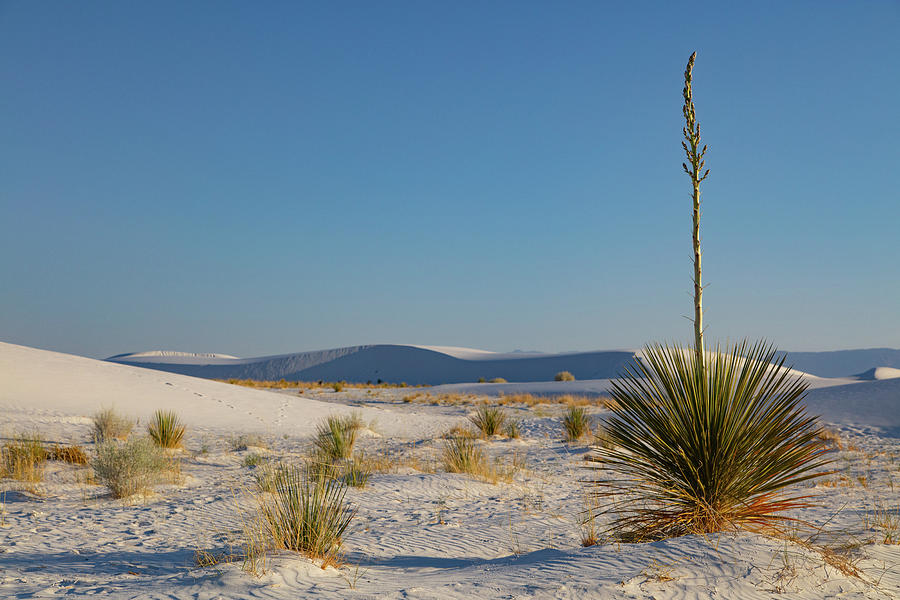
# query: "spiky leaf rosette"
{"points": [[706, 444]]}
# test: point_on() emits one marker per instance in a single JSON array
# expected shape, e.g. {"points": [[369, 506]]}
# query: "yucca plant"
{"points": [[336, 436], [576, 423], [306, 513], [706, 445], [488, 419], [165, 429]]}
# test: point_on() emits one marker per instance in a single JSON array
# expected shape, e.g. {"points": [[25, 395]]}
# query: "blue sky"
{"points": [[258, 178]]}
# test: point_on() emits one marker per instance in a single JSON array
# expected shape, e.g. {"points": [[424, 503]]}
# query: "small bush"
{"points": [[70, 454], [461, 455], [498, 380], [335, 438], [489, 420], [482, 380], [576, 423], [305, 513], [337, 386], [563, 376], [130, 467], [109, 425], [24, 458], [165, 429], [512, 429]]}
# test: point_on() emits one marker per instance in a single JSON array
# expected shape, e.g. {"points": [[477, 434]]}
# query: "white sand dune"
{"points": [[879, 373], [389, 362], [40, 383]]}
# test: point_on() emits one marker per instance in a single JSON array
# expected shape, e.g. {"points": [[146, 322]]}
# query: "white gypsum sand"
{"points": [[419, 532]]}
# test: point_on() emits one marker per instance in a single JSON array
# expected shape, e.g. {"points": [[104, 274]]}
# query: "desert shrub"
{"points": [[109, 425], [488, 419], [482, 380], [247, 440], [704, 444], [165, 429], [576, 423], [511, 429], [70, 454], [461, 455], [563, 376], [305, 513], [24, 458], [497, 380], [337, 386], [129, 467], [335, 437]]}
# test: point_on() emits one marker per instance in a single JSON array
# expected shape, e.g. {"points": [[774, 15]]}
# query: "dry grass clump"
{"points": [[576, 423], [356, 472], [24, 458], [706, 443], [165, 429], [512, 429], [497, 380], [462, 455], [335, 437], [458, 431], [489, 420], [532, 400], [110, 425], [71, 454], [247, 440], [304, 512], [129, 467], [563, 376]]}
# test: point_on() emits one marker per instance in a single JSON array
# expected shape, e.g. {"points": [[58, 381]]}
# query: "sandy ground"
{"points": [[418, 532]]}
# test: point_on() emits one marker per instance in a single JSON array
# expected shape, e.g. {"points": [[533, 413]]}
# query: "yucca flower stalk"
{"points": [[706, 445], [694, 154]]}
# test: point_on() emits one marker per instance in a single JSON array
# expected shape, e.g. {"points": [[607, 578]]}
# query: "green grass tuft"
{"points": [[489, 420], [576, 423]]}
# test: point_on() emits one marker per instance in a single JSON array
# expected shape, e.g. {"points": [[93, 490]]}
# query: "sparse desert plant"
{"points": [[701, 445], [24, 458], [110, 425], [335, 437], [576, 423], [357, 472], [337, 386], [254, 459], [563, 376], [462, 455], [165, 429], [129, 467], [267, 474], [305, 513], [512, 429], [70, 454], [482, 380], [488, 419], [458, 431], [247, 440], [498, 380]]}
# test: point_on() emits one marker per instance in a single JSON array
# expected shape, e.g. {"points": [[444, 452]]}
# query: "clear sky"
{"points": [[258, 178]]}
